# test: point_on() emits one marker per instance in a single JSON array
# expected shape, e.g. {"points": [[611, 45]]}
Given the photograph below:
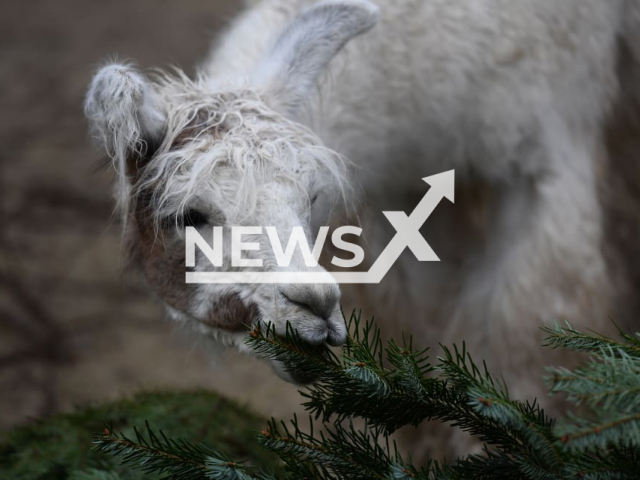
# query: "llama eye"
{"points": [[193, 218], [190, 218], [313, 200]]}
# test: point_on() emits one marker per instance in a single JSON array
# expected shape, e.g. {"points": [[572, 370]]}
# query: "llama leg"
{"points": [[543, 263]]}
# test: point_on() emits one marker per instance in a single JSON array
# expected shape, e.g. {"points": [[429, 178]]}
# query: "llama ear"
{"points": [[301, 53], [124, 113]]}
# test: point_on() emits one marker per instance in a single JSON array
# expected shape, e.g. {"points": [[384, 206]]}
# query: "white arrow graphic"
{"points": [[407, 236], [408, 228]]}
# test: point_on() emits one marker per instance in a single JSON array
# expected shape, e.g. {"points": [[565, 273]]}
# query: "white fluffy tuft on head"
{"points": [[211, 148], [226, 149]]}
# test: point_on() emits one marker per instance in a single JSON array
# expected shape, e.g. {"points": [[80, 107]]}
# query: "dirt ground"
{"points": [[73, 328]]}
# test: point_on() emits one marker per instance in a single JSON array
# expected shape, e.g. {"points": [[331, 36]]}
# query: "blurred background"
{"points": [[75, 329]]}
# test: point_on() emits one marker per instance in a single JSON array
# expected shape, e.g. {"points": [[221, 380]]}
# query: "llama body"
{"points": [[510, 94], [513, 95]]}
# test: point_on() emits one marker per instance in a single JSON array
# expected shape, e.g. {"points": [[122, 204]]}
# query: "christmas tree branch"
{"points": [[177, 458], [391, 385]]}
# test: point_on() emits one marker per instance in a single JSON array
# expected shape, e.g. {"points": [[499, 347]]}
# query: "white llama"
{"points": [[283, 124]]}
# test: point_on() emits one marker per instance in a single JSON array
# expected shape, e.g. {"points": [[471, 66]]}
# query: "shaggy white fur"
{"points": [[512, 94]]}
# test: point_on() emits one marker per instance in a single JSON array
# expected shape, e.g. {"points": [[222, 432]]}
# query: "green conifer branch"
{"points": [[155, 453], [391, 385], [342, 452], [570, 339]]}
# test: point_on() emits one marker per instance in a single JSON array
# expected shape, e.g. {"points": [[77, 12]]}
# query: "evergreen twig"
{"points": [[392, 385]]}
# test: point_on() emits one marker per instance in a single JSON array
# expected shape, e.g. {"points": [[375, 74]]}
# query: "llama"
{"points": [[307, 113]]}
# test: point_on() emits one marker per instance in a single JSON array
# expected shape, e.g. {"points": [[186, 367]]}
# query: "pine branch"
{"points": [[359, 386], [177, 458], [610, 381], [570, 339], [342, 452], [392, 385], [614, 464], [607, 386]]}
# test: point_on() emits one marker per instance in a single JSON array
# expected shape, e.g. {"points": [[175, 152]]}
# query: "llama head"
{"points": [[188, 155]]}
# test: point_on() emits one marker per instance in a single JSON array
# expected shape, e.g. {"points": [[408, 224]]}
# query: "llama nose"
{"points": [[323, 301]]}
